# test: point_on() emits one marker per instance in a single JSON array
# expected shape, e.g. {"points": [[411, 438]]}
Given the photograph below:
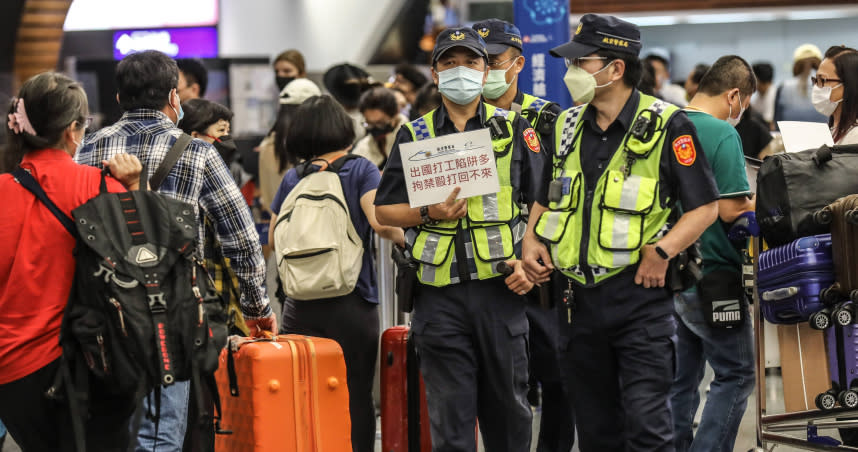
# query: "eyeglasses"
{"points": [[820, 81], [580, 60], [501, 63]]}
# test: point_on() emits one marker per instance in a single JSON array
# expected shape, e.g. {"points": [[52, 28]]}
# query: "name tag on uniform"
{"points": [[435, 166]]}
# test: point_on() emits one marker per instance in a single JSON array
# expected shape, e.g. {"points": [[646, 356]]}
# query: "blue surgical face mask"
{"points": [[179, 114], [461, 84]]}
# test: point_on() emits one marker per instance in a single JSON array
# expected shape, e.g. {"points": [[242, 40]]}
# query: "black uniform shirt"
{"points": [[690, 181], [527, 169]]}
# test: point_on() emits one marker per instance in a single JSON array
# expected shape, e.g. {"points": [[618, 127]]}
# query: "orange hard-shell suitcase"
{"points": [[287, 394]]}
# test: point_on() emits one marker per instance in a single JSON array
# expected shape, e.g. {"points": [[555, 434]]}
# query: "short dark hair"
{"points": [[194, 72], [428, 98], [698, 72], [52, 102], [764, 72], [145, 79], [730, 71], [202, 113], [319, 125], [653, 57], [379, 98], [285, 159], [634, 68], [845, 61], [647, 82], [412, 74]]}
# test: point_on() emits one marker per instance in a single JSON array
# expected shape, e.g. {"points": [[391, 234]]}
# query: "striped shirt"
{"points": [[200, 178]]}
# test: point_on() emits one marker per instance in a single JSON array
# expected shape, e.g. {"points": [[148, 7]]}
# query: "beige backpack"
{"points": [[317, 247]]}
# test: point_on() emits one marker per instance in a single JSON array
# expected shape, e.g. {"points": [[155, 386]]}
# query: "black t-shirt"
{"points": [[754, 133], [527, 169], [690, 180]]}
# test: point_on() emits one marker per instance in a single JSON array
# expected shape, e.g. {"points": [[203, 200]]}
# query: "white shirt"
{"points": [[851, 136], [765, 105]]}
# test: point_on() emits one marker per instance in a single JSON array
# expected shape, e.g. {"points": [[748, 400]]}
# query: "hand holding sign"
{"points": [[450, 209]]}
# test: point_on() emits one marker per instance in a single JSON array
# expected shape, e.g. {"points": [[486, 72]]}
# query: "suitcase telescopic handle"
{"points": [[780, 294]]}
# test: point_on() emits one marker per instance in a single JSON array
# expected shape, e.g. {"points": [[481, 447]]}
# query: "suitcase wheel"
{"points": [[828, 295], [843, 315], [851, 216], [848, 399], [819, 320], [825, 401], [822, 216]]}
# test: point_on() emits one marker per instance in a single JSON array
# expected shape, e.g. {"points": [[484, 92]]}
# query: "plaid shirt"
{"points": [[199, 178]]}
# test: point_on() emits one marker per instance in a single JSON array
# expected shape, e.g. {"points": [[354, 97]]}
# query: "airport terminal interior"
{"points": [[256, 59]]}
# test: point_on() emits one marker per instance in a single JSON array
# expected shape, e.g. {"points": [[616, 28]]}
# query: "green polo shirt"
{"points": [[723, 149]]}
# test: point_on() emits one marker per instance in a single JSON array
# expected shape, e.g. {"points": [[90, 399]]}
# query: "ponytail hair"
{"points": [[46, 105]]}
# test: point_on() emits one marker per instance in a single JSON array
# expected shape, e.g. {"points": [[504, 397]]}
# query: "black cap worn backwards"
{"points": [[459, 37], [597, 31], [499, 35]]}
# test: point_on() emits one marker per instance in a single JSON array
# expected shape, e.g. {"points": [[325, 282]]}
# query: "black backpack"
{"points": [[142, 311]]}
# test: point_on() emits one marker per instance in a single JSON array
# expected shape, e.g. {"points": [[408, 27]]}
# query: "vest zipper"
{"points": [[461, 255], [585, 232]]}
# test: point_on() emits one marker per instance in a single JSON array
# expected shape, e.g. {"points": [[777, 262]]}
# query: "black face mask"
{"points": [[380, 131], [226, 147], [283, 81]]}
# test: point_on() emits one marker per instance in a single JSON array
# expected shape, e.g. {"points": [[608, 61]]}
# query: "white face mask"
{"points": [[821, 98], [461, 84], [734, 121]]}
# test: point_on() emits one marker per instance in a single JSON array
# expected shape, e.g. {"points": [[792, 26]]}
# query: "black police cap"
{"points": [[499, 35], [459, 37], [597, 31]]}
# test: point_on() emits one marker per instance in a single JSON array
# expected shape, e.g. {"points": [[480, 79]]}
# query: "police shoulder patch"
{"points": [[683, 148], [531, 140]]}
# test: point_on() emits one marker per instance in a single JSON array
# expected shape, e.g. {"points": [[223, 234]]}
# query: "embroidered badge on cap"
{"points": [[683, 147], [531, 140]]}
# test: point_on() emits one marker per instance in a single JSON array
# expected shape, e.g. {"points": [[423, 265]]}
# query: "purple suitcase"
{"points": [[791, 278], [841, 346]]}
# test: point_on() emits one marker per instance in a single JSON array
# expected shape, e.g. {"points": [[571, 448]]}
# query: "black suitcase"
{"points": [[791, 187]]}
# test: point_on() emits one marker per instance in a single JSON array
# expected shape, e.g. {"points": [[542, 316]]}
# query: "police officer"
{"points": [[557, 425], [621, 160], [470, 331]]}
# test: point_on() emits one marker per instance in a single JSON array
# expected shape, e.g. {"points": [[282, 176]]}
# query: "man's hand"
{"points": [[518, 281], [652, 268], [126, 169], [534, 251], [450, 209], [258, 326]]}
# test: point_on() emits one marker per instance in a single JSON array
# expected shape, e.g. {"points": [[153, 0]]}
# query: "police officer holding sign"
{"points": [[621, 161], [469, 329], [557, 424]]}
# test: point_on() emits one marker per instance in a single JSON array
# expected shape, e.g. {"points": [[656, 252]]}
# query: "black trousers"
{"points": [[39, 424], [620, 360], [557, 425], [353, 323], [472, 342]]}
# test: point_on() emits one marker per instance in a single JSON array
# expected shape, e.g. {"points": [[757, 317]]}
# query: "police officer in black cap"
{"points": [[469, 329], [621, 161], [557, 424]]}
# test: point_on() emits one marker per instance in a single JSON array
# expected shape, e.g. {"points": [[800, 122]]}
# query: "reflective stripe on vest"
{"points": [[492, 227], [625, 213]]}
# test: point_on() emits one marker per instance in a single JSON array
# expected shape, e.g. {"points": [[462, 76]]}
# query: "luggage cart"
{"points": [[771, 429]]}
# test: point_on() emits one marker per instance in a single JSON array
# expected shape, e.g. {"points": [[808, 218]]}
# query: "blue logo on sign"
{"points": [[546, 12]]}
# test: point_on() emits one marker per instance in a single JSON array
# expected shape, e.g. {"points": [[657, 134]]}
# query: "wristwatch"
{"points": [[424, 216], [661, 252]]}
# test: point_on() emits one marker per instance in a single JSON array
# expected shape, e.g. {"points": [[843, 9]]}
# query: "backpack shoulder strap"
{"points": [[30, 183], [339, 163], [169, 161]]}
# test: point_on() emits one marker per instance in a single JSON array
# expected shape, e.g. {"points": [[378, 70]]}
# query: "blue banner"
{"points": [[544, 24]]}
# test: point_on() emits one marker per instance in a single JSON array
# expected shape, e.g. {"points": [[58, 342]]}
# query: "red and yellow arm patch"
{"points": [[683, 148], [531, 139]]}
